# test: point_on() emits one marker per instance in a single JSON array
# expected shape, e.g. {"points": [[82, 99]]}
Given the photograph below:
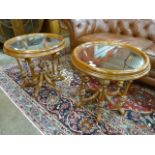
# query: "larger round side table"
{"points": [[106, 62]]}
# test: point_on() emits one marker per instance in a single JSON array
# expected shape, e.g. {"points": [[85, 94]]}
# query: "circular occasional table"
{"points": [[37, 55], [108, 62]]}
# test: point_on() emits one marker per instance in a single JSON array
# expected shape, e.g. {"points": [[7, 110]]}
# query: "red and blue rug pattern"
{"points": [[55, 113]]}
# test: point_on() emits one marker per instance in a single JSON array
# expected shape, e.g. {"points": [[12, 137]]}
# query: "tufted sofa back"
{"points": [[144, 28]]}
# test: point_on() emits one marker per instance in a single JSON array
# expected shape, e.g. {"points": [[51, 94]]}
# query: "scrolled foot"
{"points": [[122, 111], [98, 118], [78, 105]]}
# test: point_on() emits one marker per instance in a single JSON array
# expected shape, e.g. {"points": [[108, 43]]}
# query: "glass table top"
{"points": [[111, 57], [34, 42]]}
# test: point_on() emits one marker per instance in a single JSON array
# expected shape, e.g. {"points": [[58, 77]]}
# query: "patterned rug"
{"points": [[55, 113]]}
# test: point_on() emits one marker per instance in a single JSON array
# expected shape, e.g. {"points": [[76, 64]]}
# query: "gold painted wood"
{"points": [[45, 73], [107, 73], [123, 77], [21, 68], [33, 53]]}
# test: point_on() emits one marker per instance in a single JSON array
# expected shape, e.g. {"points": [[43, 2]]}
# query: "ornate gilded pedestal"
{"points": [[37, 56], [106, 62]]}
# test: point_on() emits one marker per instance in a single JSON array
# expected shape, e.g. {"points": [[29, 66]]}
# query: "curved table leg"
{"points": [[39, 85], [102, 96], [83, 85], [23, 74], [124, 97]]}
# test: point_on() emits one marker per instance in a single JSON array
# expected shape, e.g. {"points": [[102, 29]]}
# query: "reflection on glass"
{"points": [[110, 57], [34, 42], [102, 51]]}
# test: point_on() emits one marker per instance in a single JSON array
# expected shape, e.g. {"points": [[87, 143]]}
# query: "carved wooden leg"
{"points": [[102, 95], [81, 91], [23, 74], [123, 96], [53, 68], [31, 66], [59, 76], [39, 85], [29, 82], [51, 83]]}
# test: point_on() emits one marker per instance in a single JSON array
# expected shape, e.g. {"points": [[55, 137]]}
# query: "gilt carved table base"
{"points": [[46, 71], [103, 93]]}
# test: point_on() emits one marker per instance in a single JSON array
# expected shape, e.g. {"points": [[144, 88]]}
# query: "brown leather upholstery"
{"points": [[141, 43], [138, 32]]}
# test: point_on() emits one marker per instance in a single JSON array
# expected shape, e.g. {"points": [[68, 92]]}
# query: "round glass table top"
{"points": [[110, 59], [33, 44]]}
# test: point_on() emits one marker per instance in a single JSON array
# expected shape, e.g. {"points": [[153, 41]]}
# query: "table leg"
{"points": [[51, 83], [39, 85], [53, 68], [23, 74], [29, 82], [44, 76], [82, 90], [123, 96], [31, 66], [59, 76], [101, 97]]}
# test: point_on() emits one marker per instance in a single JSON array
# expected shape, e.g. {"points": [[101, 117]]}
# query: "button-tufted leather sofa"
{"points": [[137, 32]]}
